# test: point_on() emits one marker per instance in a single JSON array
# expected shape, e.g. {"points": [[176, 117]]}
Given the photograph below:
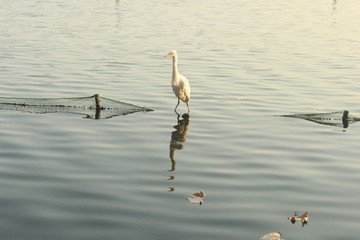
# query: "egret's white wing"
{"points": [[185, 89]]}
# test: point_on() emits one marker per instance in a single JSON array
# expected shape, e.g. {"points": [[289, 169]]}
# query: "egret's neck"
{"points": [[175, 68]]}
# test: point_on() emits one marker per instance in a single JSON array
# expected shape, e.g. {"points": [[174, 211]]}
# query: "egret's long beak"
{"points": [[165, 55]]}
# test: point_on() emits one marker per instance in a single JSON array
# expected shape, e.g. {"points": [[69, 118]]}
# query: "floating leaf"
{"points": [[303, 218], [200, 194], [199, 197]]}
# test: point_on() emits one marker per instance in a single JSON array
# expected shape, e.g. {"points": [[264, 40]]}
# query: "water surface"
{"points": [[67, 177]]}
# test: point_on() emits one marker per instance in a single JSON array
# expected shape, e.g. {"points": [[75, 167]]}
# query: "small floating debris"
{"points": [[198, 197], [337, 119], [272, 236], [93, 106], [200, 194], [303, 219]]}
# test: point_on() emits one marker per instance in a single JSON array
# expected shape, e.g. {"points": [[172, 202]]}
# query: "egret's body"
{"points": [[179, 83]]}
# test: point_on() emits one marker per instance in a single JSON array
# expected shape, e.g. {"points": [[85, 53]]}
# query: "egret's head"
{"points": [[172, 53]]}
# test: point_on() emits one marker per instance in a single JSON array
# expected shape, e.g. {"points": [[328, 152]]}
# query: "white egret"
{"points": [[179, 83]]}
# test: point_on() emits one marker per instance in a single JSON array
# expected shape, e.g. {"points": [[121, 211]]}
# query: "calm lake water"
{"points": [[63, 176]]}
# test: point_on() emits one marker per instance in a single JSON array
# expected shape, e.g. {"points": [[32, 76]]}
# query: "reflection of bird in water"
{"points": [[178, 137], [176, 142], [179, 83]]}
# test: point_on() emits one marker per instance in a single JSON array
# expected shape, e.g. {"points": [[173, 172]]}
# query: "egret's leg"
{"points": [[188, 107], [177, 104]]}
